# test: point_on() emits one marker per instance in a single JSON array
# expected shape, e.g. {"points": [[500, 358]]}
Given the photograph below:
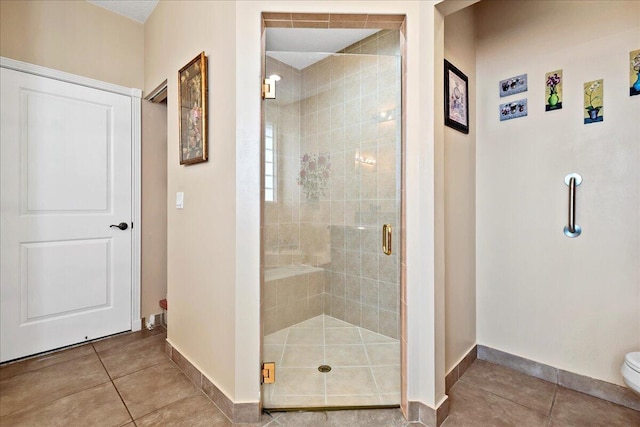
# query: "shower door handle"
{"points": [[386, 238], [572, 229]]}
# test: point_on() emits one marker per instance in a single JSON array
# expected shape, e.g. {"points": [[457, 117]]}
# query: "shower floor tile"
{"points": [[365, 366]]}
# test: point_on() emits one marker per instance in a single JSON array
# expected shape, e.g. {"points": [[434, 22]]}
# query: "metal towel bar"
{"points": [[572, 229]]}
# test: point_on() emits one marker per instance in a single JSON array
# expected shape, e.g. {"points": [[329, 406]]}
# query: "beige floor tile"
{"points": [[31, 389], [520, 388], [134, 356], [298, 381], [43, 361], [349, 418], [387, 378], [383, 354], [305, 337], [314, 322], [474, 407], [153, 388], [357, 400], [351, 381], [308, 401], [345, 355], [339, 336], [272, 353], [97, 406], [126, 338], [302, 356], [582, 410], [193, 411], [390, 398], [369, 337], [332, 322], [279, 337]]}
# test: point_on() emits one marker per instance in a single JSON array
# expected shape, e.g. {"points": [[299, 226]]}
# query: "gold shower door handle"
{"points": [[387, 232]]}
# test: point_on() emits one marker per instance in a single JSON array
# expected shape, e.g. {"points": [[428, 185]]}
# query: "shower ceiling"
{"points": [[282, 40]]}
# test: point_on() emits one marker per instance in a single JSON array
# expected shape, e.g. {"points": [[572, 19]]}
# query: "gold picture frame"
{"points": [[192, 110]]}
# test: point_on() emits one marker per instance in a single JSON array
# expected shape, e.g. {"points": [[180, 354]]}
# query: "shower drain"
{"points": [[324, 368]]}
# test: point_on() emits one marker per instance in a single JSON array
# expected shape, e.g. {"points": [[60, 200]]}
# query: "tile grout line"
{"points": [[553, 402], [370, 367], [502, 397], [324, 357], [137, 370], [113, 384], [61, 397], [36, 357]]}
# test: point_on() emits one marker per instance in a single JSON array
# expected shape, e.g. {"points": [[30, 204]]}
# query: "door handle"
{"points": [[386, 239], [121, 226]]}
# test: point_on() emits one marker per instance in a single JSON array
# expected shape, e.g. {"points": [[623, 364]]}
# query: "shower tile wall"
{"points": [[296, 298], [334, 106], [350, 110]]}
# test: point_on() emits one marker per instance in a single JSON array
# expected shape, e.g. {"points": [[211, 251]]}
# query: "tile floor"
{"points": [[365, 366], [128, 381]]}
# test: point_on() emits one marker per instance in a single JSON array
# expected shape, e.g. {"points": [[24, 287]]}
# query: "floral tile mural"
{"points": [[314, 175]]}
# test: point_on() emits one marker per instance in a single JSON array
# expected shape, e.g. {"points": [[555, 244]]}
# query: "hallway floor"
{"points": [[128, 381]]}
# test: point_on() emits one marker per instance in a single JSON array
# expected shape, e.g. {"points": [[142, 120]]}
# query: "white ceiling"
{"points": [[282, 41], [279, 40], [138, 10]]}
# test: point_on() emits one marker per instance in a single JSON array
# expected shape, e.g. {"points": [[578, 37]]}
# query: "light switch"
{"points": [[179, 200]]}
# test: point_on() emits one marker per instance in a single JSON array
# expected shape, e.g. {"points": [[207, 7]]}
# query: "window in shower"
{"points": [[269, 164]]}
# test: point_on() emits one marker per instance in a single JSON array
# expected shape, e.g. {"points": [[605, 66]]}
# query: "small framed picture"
{"points": [[634, 73], [513, 85], [513, 110], [192, 107], [456, 98]]}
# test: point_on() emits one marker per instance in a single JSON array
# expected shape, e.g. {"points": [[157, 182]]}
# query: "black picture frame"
{"points": [[456, 98]]}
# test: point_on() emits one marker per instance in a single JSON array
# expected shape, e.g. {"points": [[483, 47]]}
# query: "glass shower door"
{"points": [[332, 181]]}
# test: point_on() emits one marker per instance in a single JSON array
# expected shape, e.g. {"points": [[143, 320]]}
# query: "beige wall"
{"points": [[74, 36], [201, 237], [459, 199], [154, 208], [569, 303], [213, 263]]}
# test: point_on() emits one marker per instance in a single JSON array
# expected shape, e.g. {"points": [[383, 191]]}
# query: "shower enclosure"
{"points": [[330, 297]]}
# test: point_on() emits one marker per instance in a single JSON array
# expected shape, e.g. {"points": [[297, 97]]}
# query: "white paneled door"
{"points": [[65, 178]]}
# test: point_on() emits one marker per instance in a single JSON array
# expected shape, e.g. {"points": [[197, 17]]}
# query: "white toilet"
{"points": [[631, 371]]}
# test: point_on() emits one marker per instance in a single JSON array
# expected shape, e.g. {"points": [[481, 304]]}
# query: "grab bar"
{"points": [[572, 229]]}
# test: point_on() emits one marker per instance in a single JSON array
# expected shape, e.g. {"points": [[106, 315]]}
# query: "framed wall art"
{"points": [[553, 93], [594, 101], [192, 110], [634, 73], [513, 85], [513, 110], [456, 98]]}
